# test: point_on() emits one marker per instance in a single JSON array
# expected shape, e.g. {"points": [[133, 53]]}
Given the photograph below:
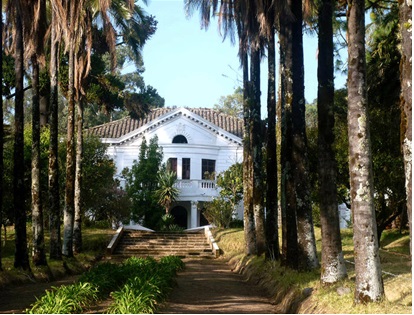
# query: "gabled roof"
{"points": [[119, 128]]}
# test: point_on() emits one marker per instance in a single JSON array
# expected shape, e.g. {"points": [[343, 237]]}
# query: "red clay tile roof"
{"points": [[121, 127]]}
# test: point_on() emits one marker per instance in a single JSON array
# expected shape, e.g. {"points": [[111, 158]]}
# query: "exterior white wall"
{"points": [[203, 143], [344, 216]]}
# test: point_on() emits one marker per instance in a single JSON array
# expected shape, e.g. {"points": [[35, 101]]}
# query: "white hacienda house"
{"points": [[196, 143]]}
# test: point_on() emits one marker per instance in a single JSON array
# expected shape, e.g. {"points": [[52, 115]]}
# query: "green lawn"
{"points": [[95, 241]]}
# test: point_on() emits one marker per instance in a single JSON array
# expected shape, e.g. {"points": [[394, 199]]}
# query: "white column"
{"points": [[194, 220]]}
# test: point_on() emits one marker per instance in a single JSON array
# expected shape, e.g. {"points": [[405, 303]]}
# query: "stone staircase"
{"points": [[159, 244]]}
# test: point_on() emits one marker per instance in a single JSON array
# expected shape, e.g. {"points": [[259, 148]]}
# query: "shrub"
{"points": [[137, 285], [167, 224], [142, 293], [65, 299], [219, 212]]}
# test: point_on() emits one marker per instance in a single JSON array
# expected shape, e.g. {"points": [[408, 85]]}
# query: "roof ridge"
{"points": [[125, 125]]}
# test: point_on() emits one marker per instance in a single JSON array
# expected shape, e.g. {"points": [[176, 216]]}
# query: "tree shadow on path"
{"points": [[209, 286]]}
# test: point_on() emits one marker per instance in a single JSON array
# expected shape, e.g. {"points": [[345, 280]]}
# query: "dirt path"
{"points": [[209, 286], [14, 299], [205, 286]]}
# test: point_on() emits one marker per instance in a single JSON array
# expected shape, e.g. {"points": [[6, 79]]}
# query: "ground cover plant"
{"points": [[290, 288], [65, 299], [137, 285], [142, 294]]}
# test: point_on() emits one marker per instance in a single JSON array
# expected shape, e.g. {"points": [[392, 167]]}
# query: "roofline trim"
{"points": [[180, 111]]}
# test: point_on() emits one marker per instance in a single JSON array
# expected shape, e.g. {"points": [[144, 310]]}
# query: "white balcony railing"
{"points": [[193, 187]]}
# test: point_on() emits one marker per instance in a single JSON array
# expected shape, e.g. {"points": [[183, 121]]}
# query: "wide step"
{"points": [[159, 244]]}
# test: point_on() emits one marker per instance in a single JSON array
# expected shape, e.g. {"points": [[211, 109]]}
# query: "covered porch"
{"points": [[188, 214]]}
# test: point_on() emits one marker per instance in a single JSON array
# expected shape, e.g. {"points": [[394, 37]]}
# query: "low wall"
{"points": [[114, 241]]}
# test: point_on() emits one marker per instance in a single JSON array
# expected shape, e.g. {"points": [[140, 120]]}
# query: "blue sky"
{"points": [[192, 67]]}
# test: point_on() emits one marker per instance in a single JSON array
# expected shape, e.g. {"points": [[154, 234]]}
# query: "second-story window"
{"points": [[172, 165], [208, 169], [186, 168]]}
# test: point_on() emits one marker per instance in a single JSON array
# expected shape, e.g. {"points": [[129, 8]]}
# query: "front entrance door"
{"points": [[180, 216]]}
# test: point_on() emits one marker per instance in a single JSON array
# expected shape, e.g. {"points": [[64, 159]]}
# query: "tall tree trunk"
{"points": [[68, 213], [1, 136], [38, 255], [256, 122], [289, 226], [248, 217], [21, 257], [44, 103], [308, 258], [368, 280], [280, 149], [333, 264], [77, 228], [405, 17], [54, 195], [272, 236]]}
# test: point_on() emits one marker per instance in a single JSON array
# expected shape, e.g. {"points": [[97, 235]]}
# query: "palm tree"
{"points": [[269, 12], [53, 169], [37, 36], [242, 15], [306, 237], [82, 66], [288, 202], [73, 30], [131, 22], [230, 13], [258, 185], [1, 133], [167, 193], [333, 264], [14, 16], [405, 16], [77, 227], [39, 255], [368, 279]]}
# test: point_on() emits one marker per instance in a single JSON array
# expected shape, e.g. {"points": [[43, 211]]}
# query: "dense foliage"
{"points": [[137, 286], [103, 198], [221, 211], [141, 184]]}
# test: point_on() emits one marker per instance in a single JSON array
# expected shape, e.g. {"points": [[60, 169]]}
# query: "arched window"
{"points": [[180, 139]]}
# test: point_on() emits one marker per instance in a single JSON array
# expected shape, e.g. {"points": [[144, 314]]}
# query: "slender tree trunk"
{"points": [[77, 228], [280, 149], [1, 136], [21, 257], [44, 103], [68, 213], [54, 195], [333, 264], [308, 258], [38, 255], [405, 17], [272, 237], [289, 226], [368, 280], [248, 217], [256, 122]]}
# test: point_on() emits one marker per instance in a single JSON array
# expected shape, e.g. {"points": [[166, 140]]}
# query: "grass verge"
{"points": [[301, 292], [95, 241]]}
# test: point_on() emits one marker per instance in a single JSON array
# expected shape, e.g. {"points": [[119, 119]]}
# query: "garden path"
{"points": [[209, 286], [16, 298], [205, 286]]}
